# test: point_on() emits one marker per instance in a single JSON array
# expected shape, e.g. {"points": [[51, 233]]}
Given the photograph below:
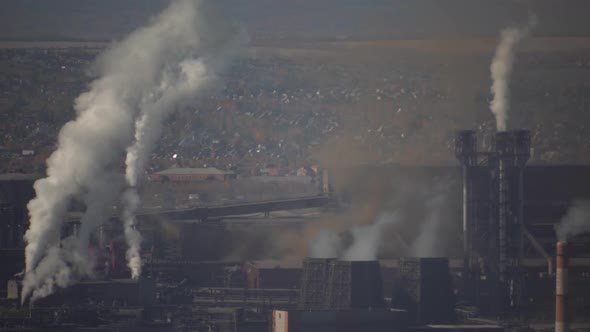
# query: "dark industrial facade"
{"points": [[509, 215], [506, 268]]}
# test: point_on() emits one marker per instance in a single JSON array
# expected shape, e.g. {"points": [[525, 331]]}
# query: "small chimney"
{"points": [[561, 277]]}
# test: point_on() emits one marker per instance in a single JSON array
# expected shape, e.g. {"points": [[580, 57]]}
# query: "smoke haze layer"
{"points": [[154, 70], [575, 222], [501, 70], [367, 239], [411, 218], [325, 244]]}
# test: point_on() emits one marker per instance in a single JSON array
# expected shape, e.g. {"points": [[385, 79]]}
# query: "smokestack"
{"points": [[576, 221], [561, 288], [501, 70]]}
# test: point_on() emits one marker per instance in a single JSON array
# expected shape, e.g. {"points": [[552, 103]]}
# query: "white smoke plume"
{"points": [[501, 70], [194, 70], [156, 69], [133, 238], [428, 241], [575, 222], [368, 238], [416, 213], [325, 244]]}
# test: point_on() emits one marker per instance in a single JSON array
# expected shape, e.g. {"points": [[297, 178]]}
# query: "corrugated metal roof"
{"points": [[194, 171]]}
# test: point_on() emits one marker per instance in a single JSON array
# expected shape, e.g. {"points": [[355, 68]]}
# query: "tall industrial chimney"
{"points": [[561, 277]]}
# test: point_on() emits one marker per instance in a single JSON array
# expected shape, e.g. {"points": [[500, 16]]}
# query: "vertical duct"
{"points": [[522, 151], [505, 152], [561, 288], [513, 151], [325, 181], [466, 152]]}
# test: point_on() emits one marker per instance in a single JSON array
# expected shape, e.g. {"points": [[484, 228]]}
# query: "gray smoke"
{"points": [[142, 78], [133, 238], [575, 222], [501, 70], [367, 239], [414, 220], [429, 241], [325, 244]]}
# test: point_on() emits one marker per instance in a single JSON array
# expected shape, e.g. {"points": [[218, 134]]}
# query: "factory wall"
{"points": [[16, 190]]}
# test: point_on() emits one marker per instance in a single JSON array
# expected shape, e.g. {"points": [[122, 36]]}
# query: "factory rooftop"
{"points": [[192, 171], [192, 174]]}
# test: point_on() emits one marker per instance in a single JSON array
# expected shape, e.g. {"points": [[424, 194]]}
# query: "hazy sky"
{"points": [[108, 19]]}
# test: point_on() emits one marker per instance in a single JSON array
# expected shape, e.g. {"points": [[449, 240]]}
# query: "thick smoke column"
{"points": [[501, 70], [154, 70], [179, 84], [132, 236], [576, 221]]}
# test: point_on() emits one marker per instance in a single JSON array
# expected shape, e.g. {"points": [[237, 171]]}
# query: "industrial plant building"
{"points": [[212, 268], [192, 174]]}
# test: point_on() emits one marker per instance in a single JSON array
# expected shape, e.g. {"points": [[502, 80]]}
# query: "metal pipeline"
{"points": [[539, 248], [561, 277], [467, 217]]}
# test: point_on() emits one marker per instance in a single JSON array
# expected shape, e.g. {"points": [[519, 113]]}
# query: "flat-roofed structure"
{"points": [[192, 174]]}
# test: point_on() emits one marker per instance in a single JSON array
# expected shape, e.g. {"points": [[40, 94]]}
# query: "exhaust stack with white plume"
{"points": [[501, 70], [368, 238], [575, 222], [155, 70]]}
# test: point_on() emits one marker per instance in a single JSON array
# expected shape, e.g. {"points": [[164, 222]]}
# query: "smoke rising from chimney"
{"points": [[427, 242], [419, 212], [501, 70], [575, 222], [142, 78], [178, 86], [325, 244], [368, 238]]}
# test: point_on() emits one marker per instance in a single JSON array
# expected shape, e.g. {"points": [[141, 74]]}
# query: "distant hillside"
{"points": [[356, 19]]}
